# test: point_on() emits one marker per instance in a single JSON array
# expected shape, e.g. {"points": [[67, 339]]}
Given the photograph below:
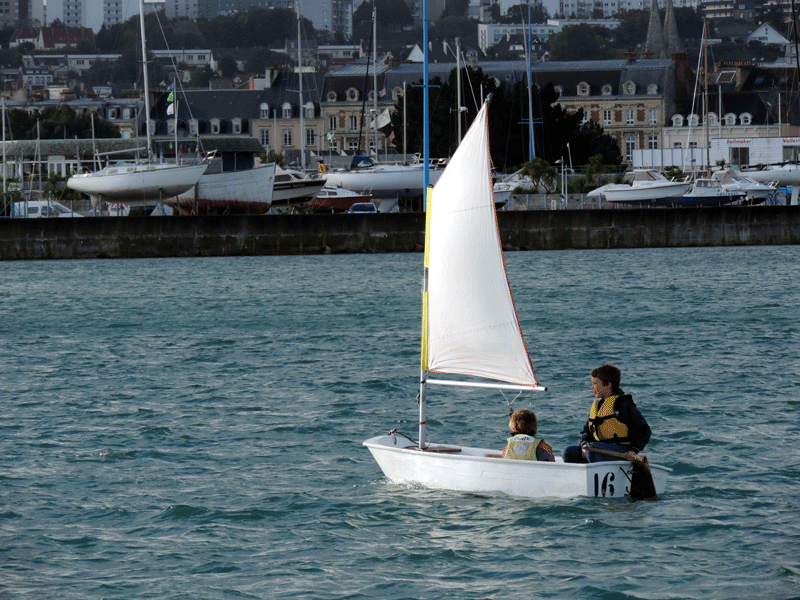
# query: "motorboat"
{"points": [[706, 192], [385, 181], [333, 198], [756, 191], [642, 187], [294, 187]]}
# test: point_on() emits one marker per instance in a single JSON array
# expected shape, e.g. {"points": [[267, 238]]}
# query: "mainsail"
{"points": [[470, 324]]}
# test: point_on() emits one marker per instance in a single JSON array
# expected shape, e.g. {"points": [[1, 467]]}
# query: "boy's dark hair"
{"points": [[523, 422], [608, 374]]}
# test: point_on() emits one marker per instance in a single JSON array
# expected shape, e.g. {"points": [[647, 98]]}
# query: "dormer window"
{"points": [[630, 88], [215, 126], [583, 89], [286, 111], [559, 90], [712, 119], [606, 91], [263, 110], [745, 118], [652, 89], [237, 125], [331, 96], [730, 119], [693, 120], [397, 93], [352, 94], [308, 110]]}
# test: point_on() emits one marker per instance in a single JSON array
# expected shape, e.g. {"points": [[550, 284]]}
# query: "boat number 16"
{"points": [[606, 487]]}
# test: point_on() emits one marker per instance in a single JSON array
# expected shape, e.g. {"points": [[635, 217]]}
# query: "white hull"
{"points": [[469, 470], [384, 181], [788, 175], [137, 184], [627, 194], [249, 190]]}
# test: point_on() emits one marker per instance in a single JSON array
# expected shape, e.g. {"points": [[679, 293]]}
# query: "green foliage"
{"points": [[455, 8], [578, 42], [593, 168], [277, 157], [541, 173], [675, 173], [58, 122], [56, 188], [392, 15], [227, 66]]}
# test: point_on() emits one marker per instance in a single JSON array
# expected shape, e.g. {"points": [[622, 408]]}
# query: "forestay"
{"points": [[470, 325]]}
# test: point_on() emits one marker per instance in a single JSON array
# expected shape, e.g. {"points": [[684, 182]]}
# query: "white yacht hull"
{"points": [[384, 181], [626, 194], [469, 470], [788, 175], [296, 192], [137, 184], [246, 191]]}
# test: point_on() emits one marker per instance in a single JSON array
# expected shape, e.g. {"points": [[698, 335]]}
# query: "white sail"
{"points": [[471, 324]]}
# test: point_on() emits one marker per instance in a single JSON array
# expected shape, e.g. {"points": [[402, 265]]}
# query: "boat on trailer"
{"points": [[470, 329]]}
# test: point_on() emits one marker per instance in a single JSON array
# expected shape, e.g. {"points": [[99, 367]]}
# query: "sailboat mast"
{"points": [[300, 75], [375, 77], [426, 154], [146, 77], [528, 61], [458, 87], [705, 96]]}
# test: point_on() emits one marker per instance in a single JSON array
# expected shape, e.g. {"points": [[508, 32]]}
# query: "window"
{"points": [[606, 91], [652, 89], [353, 123], [745, 118], [692, 145], [677, 145], [740, 156], [630, 88], [264, 134], [171, 126], [214, 125], [311, 137], [352, 145], [583, 89], [331, 96], [693, 120], [287, 138], [263, 110], [652, 142], [677, 120], [333, 145], [630, 146], [308, 110], [286, 111], [652, 116], [730, 119], [607, 117], [332, 123], [629, 117], [352, 94], [237, 126], [712, 119], [193, 127]]}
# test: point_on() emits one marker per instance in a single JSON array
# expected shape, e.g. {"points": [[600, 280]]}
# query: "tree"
{"points": [[455, 8], [578, 42], [58, 122], [227, 66], [541, 173]]}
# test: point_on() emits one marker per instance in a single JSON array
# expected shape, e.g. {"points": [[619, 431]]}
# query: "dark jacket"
{"points": [[627, 413]]}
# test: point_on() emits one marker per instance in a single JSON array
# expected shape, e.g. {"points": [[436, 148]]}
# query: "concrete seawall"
{"points": [[142, 237]]}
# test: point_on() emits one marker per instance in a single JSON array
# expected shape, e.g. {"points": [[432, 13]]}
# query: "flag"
{"points": [[382, 93], [171, 86], [391, 137], [171, 97], [171, 109], [384, 119]]}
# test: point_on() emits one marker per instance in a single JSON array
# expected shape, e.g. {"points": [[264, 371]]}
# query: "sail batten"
{"points": [[470, 322]]}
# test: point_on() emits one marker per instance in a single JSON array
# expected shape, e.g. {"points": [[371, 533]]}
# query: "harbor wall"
{"points": [[141, 237]]}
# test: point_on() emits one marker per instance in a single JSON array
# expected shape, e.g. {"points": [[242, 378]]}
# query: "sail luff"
{"points": [[425, 332], [472, 324]]}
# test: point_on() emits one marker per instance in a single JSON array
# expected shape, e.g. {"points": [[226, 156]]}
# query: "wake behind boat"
{"points": [[470, 329]]}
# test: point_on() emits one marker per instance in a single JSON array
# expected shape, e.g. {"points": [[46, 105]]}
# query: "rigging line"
{"points": [[365, 93]]}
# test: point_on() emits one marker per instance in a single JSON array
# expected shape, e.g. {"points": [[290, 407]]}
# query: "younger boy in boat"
{"points": [[614, 422], [524, 444]]}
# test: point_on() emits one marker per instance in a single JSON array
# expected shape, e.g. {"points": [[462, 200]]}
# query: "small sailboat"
{"points": [[470, 329], [139, 183]]}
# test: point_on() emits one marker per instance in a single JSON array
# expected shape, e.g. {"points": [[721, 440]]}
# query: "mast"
{"points": [[146, 76], [300, 75], [426, 153], [375, 77], [528, 61], [705, 97], [458, 86]]}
